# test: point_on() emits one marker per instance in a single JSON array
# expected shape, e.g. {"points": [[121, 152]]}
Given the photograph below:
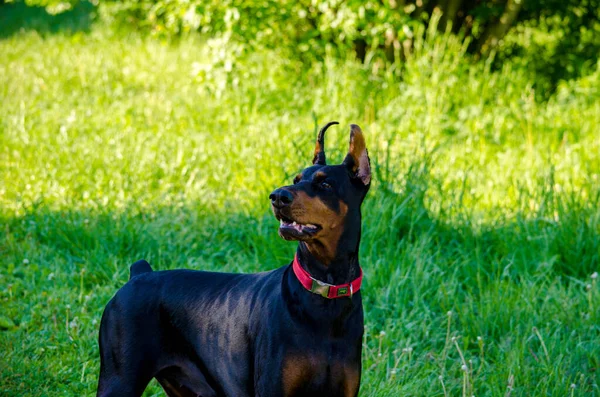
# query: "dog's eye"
{"points": [[325, 185], [296, 179]]}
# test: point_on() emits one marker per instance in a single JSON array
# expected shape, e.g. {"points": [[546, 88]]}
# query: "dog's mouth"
{"points": [[290, 229]]}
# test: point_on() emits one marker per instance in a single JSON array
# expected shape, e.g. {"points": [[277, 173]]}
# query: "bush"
{"points": [[553, 40]]}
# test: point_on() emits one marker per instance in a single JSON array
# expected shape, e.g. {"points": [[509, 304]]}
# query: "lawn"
{"points": [[481, 232]]}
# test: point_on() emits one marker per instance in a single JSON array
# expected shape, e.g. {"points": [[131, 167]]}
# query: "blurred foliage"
{"points": [[557, 40], [554, 39], [49, 17]]}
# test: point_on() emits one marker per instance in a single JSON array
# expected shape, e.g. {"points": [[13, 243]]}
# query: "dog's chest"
{"points": [[307, 374]]}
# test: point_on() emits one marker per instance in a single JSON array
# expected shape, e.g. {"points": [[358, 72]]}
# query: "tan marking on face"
{"points": [[320, 175], [306, 209]]}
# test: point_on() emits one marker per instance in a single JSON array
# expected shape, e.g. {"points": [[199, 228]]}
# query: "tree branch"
{"points": [[495, 32]]}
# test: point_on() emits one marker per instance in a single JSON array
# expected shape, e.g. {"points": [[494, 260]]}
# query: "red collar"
{"points": [[325, 290]]}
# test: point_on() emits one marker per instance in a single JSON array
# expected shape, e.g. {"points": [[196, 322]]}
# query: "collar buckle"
{"points": [[320, 288]]}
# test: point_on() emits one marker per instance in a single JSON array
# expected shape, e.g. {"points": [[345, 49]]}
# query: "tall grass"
{"points": [[480, 236]]}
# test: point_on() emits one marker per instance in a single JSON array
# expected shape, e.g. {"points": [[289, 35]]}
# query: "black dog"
{"points": [[294, 331]]}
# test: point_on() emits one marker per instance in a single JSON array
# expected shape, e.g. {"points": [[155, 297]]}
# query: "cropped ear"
{"points": [[319, 156], [357, 159]]}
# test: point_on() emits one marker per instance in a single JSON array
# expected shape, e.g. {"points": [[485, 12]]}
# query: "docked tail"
{"points": [[138, 268]]}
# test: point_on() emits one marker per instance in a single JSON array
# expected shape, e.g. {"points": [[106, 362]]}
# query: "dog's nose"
{"points": [[281, 198]]}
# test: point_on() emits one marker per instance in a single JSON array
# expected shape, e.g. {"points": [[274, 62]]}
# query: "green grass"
{"points": [[481, 230]]}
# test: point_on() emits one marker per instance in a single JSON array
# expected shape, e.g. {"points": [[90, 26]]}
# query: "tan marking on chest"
{"points": [[351, 378], [297, 371], [301, 370]]}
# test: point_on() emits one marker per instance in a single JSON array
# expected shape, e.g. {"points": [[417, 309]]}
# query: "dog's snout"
{"points": [[281, 198]]}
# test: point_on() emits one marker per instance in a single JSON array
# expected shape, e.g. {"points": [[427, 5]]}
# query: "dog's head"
{"points": [[324, 201]]}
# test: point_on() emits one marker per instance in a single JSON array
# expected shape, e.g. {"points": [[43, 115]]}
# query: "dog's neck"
{"points": [[342, 267]]}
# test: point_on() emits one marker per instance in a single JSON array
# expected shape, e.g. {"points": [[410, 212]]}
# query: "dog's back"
{"points": [[173, 325]]}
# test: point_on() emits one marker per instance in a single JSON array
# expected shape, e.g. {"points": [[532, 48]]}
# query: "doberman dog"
{"points": [[294, 331]]}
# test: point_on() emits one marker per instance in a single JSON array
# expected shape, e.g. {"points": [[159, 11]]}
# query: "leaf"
{"points": [[6, 323]]}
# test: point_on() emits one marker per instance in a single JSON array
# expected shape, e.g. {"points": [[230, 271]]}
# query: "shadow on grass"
{"points": [[565, 245], [561, 238], [396, 223], [19, 17], [106, 243]]}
